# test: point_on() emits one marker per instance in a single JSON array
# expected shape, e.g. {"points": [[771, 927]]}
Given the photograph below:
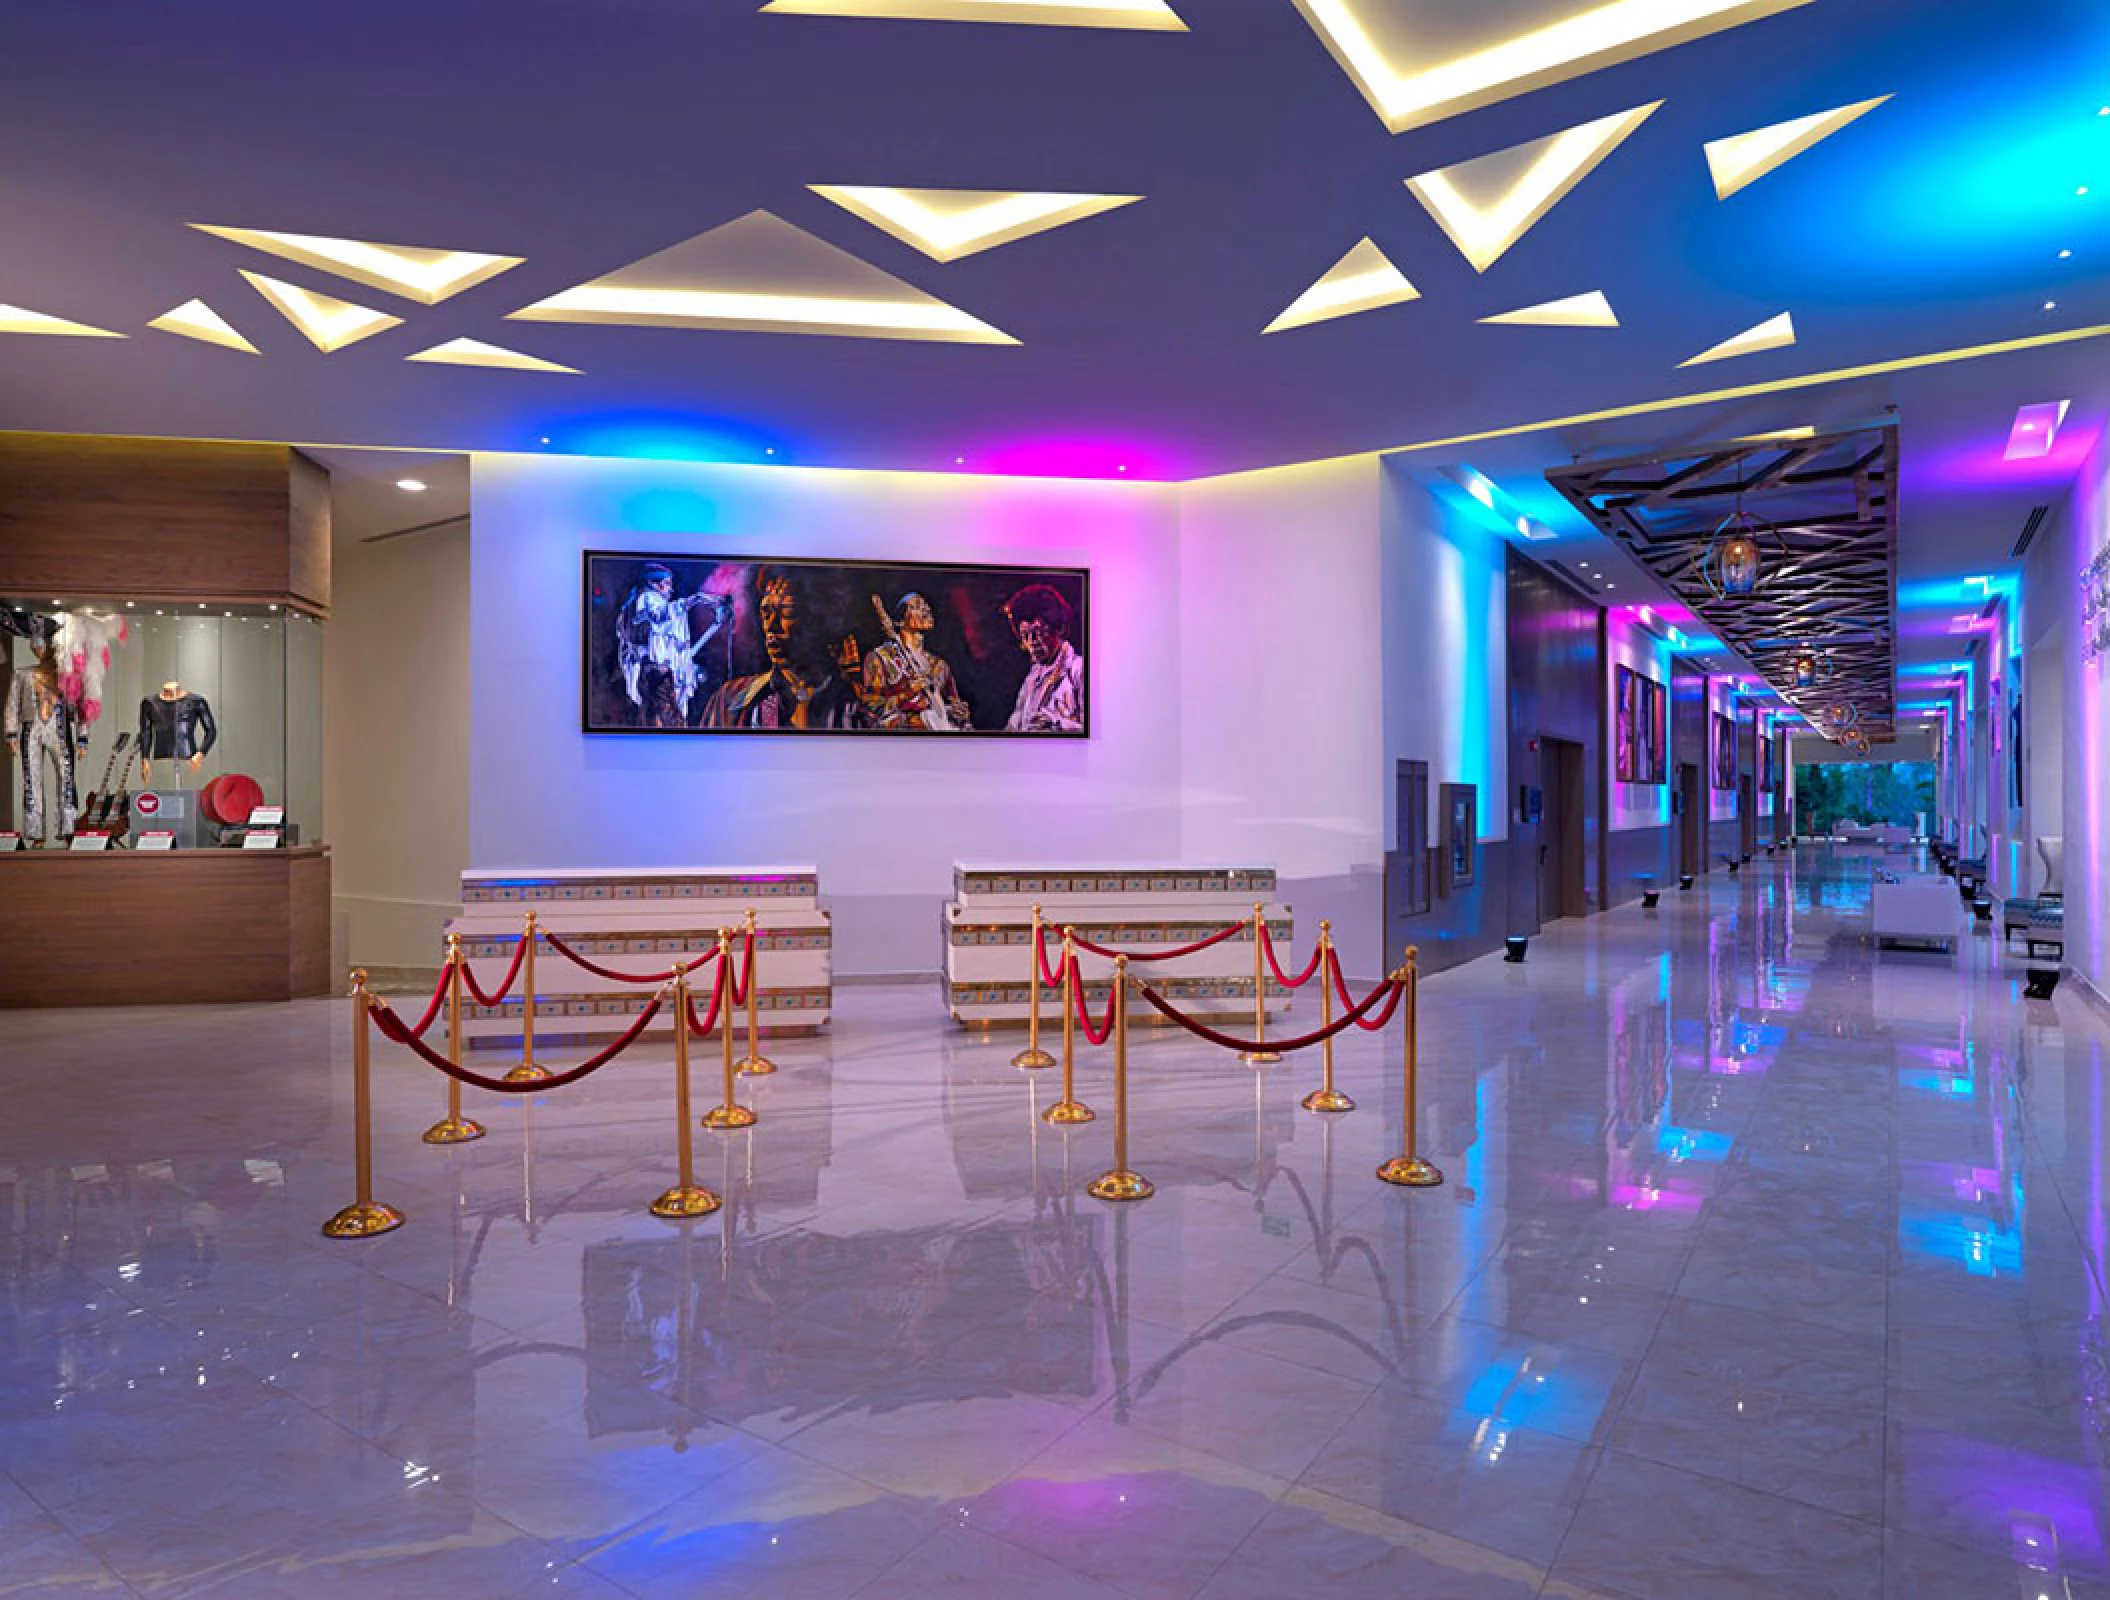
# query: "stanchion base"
{"points": [[1121, 1185], [528, 1072], [686, 1200], [1327, 1100], [1067, 1112], [1259, 1058], [1033, 1060], [453, 1130], [757, 1066], [729, 1117], [362, 1221], [1410, 1172]]}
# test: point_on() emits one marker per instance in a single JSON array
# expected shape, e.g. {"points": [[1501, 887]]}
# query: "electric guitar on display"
{"points": [[117, 813], [97, 805]]}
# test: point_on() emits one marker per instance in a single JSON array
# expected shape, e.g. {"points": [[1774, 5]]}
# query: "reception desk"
{"points": [[989, 933]]}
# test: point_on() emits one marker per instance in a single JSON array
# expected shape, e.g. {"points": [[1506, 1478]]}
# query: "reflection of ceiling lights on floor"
{"points": [[194, 319], [1362, 280], [1382, 45], [1151, 15], [1773, 334], [761, 274], [946, 224], [329, 323], [1488, 203], [426, 276], [16, 319], [475, 353], [1742, 159], [1591, 310]]}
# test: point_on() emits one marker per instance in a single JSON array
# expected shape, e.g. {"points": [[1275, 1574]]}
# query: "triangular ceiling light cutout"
{"points": [[1590, 310], [1389, 47], [329, 323], [1742, 159], [194, 319], [15, 319], [1774, 333], [1490, 202], [1362, 280], [946, 224], [759, 273], [415, 273], [1155, 16], [475, 353]]}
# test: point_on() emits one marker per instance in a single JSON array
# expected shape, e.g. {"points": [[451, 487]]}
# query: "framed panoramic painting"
{"points": [[681, 643], [1639, 708]]}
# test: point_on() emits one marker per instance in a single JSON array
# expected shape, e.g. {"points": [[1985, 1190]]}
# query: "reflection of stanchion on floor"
{"points": [[365, 1216], [731, 1114], [529, 1070], [1326, 1097], [687, 1198], [1261, 1057], [454, 1128], [1120, 1183], [1033, 1056], [754, 1063], [1069, 1110], [1407, 1168]]}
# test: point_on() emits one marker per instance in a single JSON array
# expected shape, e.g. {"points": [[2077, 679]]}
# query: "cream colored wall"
{"points": [[396, 742]]}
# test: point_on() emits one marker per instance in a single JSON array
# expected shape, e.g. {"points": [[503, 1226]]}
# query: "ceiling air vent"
{"points": [[2030, 525]]}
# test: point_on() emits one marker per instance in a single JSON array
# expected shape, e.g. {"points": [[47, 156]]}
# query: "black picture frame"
{"points": [[1640, 709], [1725, 765]]}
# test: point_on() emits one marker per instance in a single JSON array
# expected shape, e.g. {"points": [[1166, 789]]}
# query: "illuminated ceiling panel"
{"points": [[1590, 310], [760, 273], [1362, 280], [15, 319], [2035, 430], [1154, 16], [1742, 159], [426, 276], [1488, 203], [475, 353], [329, 323], [1417, 65], [946, 224], [1774, 333], [194, 319]]}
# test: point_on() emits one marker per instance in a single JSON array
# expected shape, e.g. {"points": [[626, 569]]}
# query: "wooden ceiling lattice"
{"points": [[1824, 513]]}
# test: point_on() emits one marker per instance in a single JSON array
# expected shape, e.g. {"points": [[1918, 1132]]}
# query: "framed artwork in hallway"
{"points": [[1639, 706], [1724, 752]]}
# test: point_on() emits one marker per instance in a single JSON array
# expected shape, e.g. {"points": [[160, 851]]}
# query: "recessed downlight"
{"points": [[411, 485]]}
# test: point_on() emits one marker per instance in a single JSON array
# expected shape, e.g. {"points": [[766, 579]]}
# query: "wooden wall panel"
{"points": [[152, 518], [1556, 688]]}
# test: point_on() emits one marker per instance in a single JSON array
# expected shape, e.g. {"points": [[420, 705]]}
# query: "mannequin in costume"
{"points": [[175, 725], [40, 729]]}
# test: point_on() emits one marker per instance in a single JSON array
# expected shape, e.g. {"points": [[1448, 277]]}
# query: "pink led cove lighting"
{"points": [[2034, 429]]}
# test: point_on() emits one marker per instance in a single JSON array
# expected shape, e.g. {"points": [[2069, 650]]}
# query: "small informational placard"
{"points": [[87, 840], [157, 839], [260, 839], [267, 816], [10, 841]]}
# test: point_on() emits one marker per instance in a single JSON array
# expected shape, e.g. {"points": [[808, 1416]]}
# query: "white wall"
{"points": [[2053, 579], [883, 819], [1628, 644], [2047, 620]]}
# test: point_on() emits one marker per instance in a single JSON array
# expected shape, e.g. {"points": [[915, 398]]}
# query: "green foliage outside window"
{"points": [[1829, 794]]}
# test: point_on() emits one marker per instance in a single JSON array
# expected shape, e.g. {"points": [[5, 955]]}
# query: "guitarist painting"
{"points": [[905, 686]]}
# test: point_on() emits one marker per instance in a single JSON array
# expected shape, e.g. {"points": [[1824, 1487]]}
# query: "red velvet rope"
{"points": [[1231, 932], [747, 973], [505, 988], [1101, 1034], [439, 998], [391, 1027], [1048, 974], [1340, 987], [702, 1030], [1199, 1031], [577, 960], [1267, 943]]}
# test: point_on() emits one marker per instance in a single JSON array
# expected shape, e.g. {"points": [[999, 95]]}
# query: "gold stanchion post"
{"points": [[529, 1070], [1069, 1110], [1033, 1057], [755, 1064], [1120, 1183], [365, 1216], [1326, 1097], [454, 1128], [731, 1114], [1262, 1057], [1407, 1168], [687, 1198]]}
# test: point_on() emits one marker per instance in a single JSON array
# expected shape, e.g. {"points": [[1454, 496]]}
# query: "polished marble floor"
{"points": [[1767, 1266]]}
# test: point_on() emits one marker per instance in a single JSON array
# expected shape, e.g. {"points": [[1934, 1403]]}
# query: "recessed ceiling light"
{"points": [[767, 449], [959, 461], [1362, 280], [194, 319], [2083, 189], [476, 353], [1773, 334], [411, 485], [415, 273], [2064, 254], [947, 224], [2051, 305], [15, 319], [1591, 310], [1150, 16], [1742, 159], [328, 323]]}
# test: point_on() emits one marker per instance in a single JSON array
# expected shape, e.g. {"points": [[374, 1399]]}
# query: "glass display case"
{"points": [[203, 712]]}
